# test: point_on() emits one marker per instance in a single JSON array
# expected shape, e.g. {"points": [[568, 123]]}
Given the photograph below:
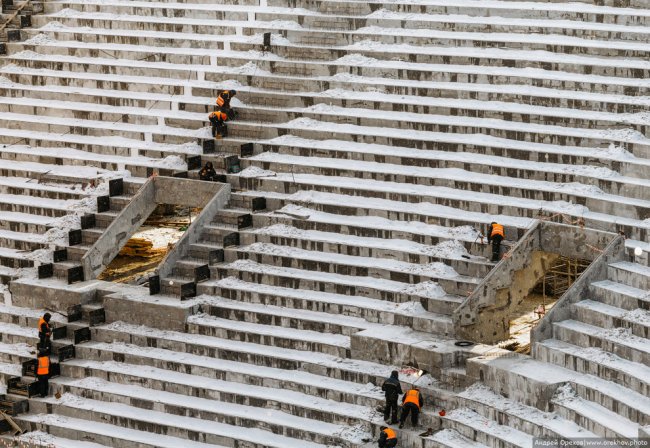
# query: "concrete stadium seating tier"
{"points": [[385, 136]]}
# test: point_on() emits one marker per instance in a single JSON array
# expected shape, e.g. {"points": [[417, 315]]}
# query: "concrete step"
{"points": [[631, 274], [606, 316], [337, 345], [295, 403], [476, 427], [102, 433], [194, 411], [354, 266], [450, 438], [510, 374], [508, 184], [41, 437], [621, 295], [357, 306], [513, 414], [240, 311], [619, 342], [578, 11], [591, 415], [254, 354], [595, 361], [452, 253], [435, 299], [233, 371]]}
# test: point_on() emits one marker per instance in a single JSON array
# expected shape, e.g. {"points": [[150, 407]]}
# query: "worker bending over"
{"points": [[218, 120], [411, 404], [387, 438], [496, 234]]}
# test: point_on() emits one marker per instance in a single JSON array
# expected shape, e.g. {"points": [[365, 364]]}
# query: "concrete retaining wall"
{"points": [[119, 231], [193, 233]]}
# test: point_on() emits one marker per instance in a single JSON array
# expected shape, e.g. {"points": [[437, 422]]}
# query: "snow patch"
{"points": [[255, 171], [172, 162], [356, 59], [429, 289], [40, 39]]}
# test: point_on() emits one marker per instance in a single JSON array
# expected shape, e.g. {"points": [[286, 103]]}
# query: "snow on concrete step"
{"points": [[210, 431], [357, 306], [334, 279], [374, 266], [222, 390], [333, 344], [305, 202], [220, 348], [285, 316], [104, 433], [631, 274], [486, 183], [451, 249], [75, 157], [621, 295], [518, 375], [473, 425], [40, 438], [524, 418], [606, 316], [450, 438], [208, 410], [240, 372], [619, 341], [596, 361], [592, 416], [530, 158]]}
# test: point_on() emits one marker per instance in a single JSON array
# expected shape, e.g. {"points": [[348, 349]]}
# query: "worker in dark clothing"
{"points": [[392, 390], [387, 438], [43, 372], [44, 331], [207, 172], [496, 234], [218, 120], [223, 102], [411, 404]]}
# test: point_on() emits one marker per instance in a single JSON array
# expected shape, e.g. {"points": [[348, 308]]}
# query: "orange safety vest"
{"points": [[219, 115], [390, 433], [43, 365], [41, 321], [497, 229], [412, 396]]}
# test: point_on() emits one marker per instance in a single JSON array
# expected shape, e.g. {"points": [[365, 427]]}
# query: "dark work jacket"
{"points": [[392, 389]]}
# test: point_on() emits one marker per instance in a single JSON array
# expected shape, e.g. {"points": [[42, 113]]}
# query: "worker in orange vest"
{"points": [[218, 120], [387, 438], [496, 234], [411, 404], [44, 331], [43, 372], [223, 102]]}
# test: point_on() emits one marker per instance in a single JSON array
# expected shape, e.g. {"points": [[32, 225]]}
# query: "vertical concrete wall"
{"points": [[119, 231], [580, 290], [193, 233], [188, 192]]}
